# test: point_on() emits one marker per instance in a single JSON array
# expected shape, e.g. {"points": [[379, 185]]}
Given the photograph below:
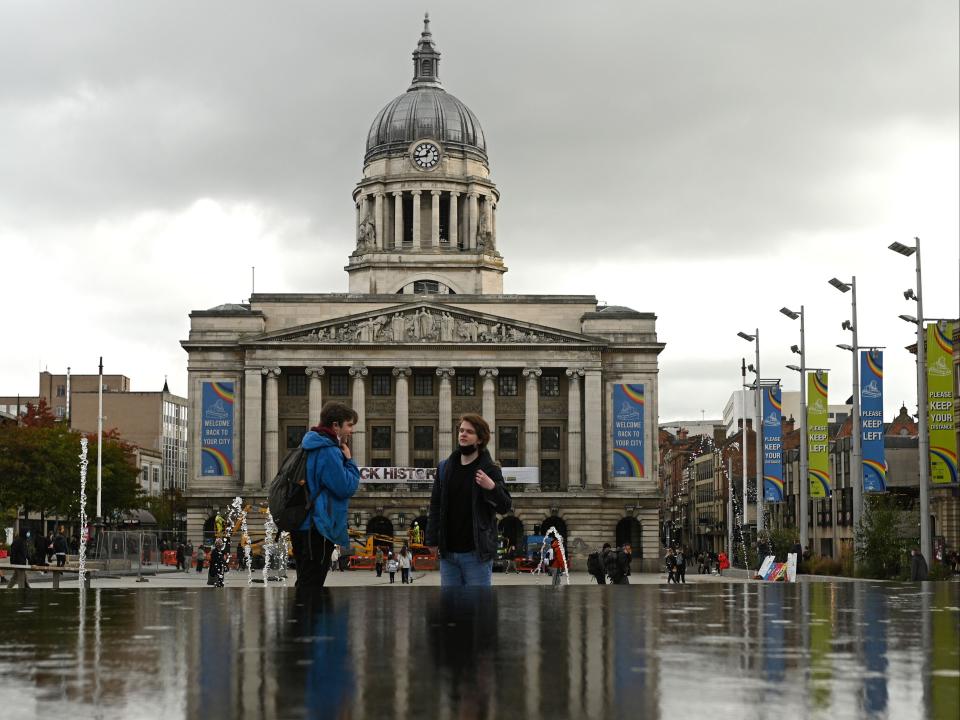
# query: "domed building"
{"points": [[424, 334]]}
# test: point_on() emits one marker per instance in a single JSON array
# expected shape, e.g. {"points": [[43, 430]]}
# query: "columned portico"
{"points": [[473, 218], [593, 419], [315, 374], [270, 424], [489, 406], [531, 454], [574, 438], [252, 412], [378, 222], [445, 413], [402, 428], [359, 445]]}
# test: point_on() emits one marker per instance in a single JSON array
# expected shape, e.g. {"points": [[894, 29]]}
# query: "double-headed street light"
{"points": [[757, 426], [804, 480], [856, 452], [922, 399]]}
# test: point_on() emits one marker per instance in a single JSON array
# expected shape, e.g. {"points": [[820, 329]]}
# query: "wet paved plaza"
{"points": [[814, 649]]}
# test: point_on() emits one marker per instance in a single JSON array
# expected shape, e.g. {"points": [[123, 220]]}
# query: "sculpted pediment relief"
{"points": [[424, 323]]}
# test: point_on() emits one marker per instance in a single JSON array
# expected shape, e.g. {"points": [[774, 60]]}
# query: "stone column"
{"points": [[454, 220], [401, 430], [435, 218], [379, 224], [531, 418], [493, 224], [398, 220], [473, 218], [489, 406], [316, 394], [445, 415], [593, 428], [271, 424], [252, 429], [359, 445], [416, 219], [574, 439]]}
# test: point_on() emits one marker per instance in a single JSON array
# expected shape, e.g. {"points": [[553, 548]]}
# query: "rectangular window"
{"points": [[550, 438], [508, 437], [296, 384], [423, 437], [466, 385], [550, 474], [550, 386], [507, 385], [423, 385], [61, 411], [380, 384], [295, 434], [381, 437], [61, 390], [339, 385], [381, 462], [509, 462], [424, 462]]}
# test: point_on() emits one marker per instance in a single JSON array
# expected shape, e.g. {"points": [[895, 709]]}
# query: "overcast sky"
{"points": [[706, 161]]}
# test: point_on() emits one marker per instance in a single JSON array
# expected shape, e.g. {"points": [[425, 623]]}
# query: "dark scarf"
{"points": [[324, 430]]}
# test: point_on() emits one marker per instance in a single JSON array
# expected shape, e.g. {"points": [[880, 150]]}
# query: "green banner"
{"points": [[818, 435], [940, 394]]}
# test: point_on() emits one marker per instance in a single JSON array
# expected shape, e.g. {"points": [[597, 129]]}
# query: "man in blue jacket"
{"points": [[332, 479]]}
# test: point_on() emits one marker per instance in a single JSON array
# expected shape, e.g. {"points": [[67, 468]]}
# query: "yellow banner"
{"points": [[818, 435], [940, 394]]}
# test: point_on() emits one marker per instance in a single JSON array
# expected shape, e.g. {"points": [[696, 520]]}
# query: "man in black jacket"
{"points": [[467, 495]]}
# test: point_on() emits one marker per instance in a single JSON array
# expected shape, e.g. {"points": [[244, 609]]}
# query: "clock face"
{"points": [[426, 155]]}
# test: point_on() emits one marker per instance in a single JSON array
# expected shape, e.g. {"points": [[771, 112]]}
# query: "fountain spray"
{"points": [[83, 513]]}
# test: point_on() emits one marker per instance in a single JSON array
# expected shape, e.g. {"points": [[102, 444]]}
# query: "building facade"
{"points": [[426, 334]]}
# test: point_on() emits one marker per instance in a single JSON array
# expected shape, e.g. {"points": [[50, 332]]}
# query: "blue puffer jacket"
{"points": [[331, 481]]}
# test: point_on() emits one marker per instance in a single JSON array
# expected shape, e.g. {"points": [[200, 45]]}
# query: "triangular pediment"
{"points": [[425, 322]]}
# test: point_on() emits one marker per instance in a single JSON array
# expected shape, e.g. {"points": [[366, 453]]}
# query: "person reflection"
{"points": [[322, 630], [462, 636]]}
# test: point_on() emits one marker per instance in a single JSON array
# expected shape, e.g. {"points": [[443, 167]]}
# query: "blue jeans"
{"points": [[460, 569]]}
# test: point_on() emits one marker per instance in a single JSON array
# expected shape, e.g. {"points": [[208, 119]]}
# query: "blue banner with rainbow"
{"points": [[772, 444], [871, 421], [628, 432], [216, 429]]}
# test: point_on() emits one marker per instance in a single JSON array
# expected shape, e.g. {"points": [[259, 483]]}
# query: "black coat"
{"points": [[918, 567], [60, 545], [18, 552], [486, 505]]}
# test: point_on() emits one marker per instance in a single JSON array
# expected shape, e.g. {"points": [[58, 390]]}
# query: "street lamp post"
{"points": [[757, 424], [743, 451], [804, 480], [922, 401], [856, 432]]}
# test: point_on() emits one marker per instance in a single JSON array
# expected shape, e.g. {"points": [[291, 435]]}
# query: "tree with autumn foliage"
{"points": [[40, 468]]}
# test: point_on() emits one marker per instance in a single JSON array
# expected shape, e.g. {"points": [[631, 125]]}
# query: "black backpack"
{"points": [[287, 498], [594, 564]]}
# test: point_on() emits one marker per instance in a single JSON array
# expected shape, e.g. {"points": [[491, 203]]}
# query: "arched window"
{"points": [[380, 525], [630, 532], [511, 531], [556, 522]]}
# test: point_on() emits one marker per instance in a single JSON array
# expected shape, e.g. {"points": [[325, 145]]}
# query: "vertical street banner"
{"points": [[772, 444], [628, 431], [818, 435], [940, 394], [216, 428], [871, 421]]}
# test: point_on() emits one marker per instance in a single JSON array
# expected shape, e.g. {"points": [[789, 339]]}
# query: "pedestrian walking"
{"points": [[616, 564], [467, 495], [671, 562], [60, 548], [332, 479], [918, 565], [378, 558], [179, 555], [200, 559], [391, 567], [680, 573], [404, 562], [335, 558], [556, 563], [217, 564], [20, 555], [595, 565]]}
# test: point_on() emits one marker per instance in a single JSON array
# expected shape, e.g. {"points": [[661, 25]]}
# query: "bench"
{"points": [[20, 574]]}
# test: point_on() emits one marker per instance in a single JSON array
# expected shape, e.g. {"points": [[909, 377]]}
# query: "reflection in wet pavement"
{"points": [[807, 650]]}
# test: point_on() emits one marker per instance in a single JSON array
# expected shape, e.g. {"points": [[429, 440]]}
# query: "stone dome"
{"points": [[422, 113]]}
